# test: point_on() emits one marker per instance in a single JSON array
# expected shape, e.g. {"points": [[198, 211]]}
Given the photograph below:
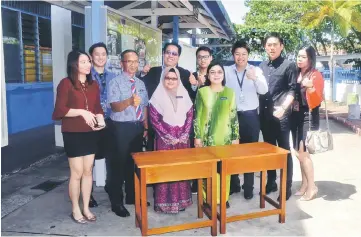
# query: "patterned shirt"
{"points": [[103, 80], [120, 89]]}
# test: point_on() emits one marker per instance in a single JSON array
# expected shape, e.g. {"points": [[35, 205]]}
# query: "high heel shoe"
{"points": [[299, 193], [311, 196]]}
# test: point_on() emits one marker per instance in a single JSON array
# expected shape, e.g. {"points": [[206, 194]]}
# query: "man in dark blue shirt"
{"points": [[275, 105], [106, 149]]}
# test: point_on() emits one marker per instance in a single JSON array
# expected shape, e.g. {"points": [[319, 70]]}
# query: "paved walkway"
{"points": [[339, 113], [335, 212]]}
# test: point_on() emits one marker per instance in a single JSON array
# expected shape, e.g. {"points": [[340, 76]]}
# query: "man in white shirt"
{"points": [[248, 82]]}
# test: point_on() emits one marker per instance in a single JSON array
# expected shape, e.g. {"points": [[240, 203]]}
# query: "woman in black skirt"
{"points": [[78, 107]]}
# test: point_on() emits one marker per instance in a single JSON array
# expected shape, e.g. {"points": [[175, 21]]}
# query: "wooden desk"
{"points": [[246, 158], [175, 165]]}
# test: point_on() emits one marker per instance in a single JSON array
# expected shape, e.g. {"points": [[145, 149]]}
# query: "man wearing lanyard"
{"points": [[281, 76], [99, 53], [128, 99], [247, 81]]}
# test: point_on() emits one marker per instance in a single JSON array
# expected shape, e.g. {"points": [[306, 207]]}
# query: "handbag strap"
{"points": [[309, 118], [327, 124]]}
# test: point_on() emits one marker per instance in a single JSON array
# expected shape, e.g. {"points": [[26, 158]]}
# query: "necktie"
{"points": [[138, 109]]}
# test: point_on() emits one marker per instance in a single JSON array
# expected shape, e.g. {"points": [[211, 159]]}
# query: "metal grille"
{"points": [[35, 7]]}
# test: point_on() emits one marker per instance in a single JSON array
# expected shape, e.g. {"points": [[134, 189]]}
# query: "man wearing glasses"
{"points": [[204, 58], [99, 53], [171, 54], [128, 100]]}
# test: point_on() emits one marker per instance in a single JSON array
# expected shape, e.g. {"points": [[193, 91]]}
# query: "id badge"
{"points": [[241, 98], [296, 106]]}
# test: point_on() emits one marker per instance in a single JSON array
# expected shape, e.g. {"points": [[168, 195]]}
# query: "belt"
{"points": [[131, 122]]}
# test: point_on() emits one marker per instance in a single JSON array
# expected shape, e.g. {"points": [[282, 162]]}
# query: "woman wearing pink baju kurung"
{"points": [[171, 114]]}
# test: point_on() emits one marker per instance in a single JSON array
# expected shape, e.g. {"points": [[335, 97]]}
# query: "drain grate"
{"points": [[48, 185]]}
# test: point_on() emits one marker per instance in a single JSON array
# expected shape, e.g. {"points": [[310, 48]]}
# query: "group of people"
{"points": [[168, 107]]}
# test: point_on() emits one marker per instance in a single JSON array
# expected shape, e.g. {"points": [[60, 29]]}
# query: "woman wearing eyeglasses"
{"points": [[216, 121], [171, 115]]}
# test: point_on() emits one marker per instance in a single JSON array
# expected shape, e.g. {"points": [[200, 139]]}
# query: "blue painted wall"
{"points": [[29, 105]]}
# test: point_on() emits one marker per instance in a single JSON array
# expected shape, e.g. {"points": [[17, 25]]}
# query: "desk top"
{"points": [[173, 157], [205, 154], [243, 151]]}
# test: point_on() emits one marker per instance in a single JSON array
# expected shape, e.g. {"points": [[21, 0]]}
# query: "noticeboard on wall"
{"points": [[124, 33]]}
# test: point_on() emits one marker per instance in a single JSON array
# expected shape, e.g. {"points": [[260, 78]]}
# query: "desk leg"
{"points": [[214, 199], [200, 198], [143, 200], [137, 198], [223, 197], [209, 191], [262, 203], [282, 216]]}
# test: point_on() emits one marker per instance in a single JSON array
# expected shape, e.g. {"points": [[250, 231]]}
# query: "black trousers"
{"points": [[277, 132], [300, 124], [249, 127], [128, 138]]}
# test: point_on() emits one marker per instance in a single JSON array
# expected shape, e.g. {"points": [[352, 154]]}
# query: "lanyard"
{"points": [[240, 83]]}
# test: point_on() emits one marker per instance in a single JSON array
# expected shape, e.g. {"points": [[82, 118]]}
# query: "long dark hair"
{"points": [[72, 67], [208, 82], [311, 56]]}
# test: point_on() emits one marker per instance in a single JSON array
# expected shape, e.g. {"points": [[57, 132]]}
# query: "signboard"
{"points": [[128, 33]]}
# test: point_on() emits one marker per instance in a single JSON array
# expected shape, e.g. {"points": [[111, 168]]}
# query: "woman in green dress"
{"points": [[216, 121]]}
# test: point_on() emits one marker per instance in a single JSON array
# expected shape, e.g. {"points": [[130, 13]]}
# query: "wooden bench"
{"points": [[175, 165], [247, 158]]}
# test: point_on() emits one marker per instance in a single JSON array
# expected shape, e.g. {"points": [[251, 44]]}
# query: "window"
{"points": [[11, 45]]}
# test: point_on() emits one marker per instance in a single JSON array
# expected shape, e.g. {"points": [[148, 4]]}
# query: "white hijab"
{"points": [[172, 105]]}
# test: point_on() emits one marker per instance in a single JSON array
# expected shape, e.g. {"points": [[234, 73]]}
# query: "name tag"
{"points": [[179, 97], [224, 98]]}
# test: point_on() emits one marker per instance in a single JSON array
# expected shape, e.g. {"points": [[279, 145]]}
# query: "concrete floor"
{"points": [[335, 212]]}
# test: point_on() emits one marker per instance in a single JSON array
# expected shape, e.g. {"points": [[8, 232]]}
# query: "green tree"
{"points": [[341, 14]]}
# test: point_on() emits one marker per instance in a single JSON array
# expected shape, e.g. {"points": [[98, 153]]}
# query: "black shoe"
{"points": [[248, 195], [120, 210], [227, 205], [288, 195], [92, 202], [271, 187]]}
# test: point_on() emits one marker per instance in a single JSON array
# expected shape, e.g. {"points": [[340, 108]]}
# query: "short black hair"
{"points": [[97, 45], [122, 55], [240, 44], [273, 35], [174, 44], [208, 82], [204, 48]]}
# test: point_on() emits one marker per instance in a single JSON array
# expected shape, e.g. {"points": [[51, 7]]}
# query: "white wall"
{"points": [[188, 59], [342, 90], [62, 45], [4, 120]]}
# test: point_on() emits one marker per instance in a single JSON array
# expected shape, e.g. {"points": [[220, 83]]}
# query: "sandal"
{"points": [[92, 218], [81, 220]]}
